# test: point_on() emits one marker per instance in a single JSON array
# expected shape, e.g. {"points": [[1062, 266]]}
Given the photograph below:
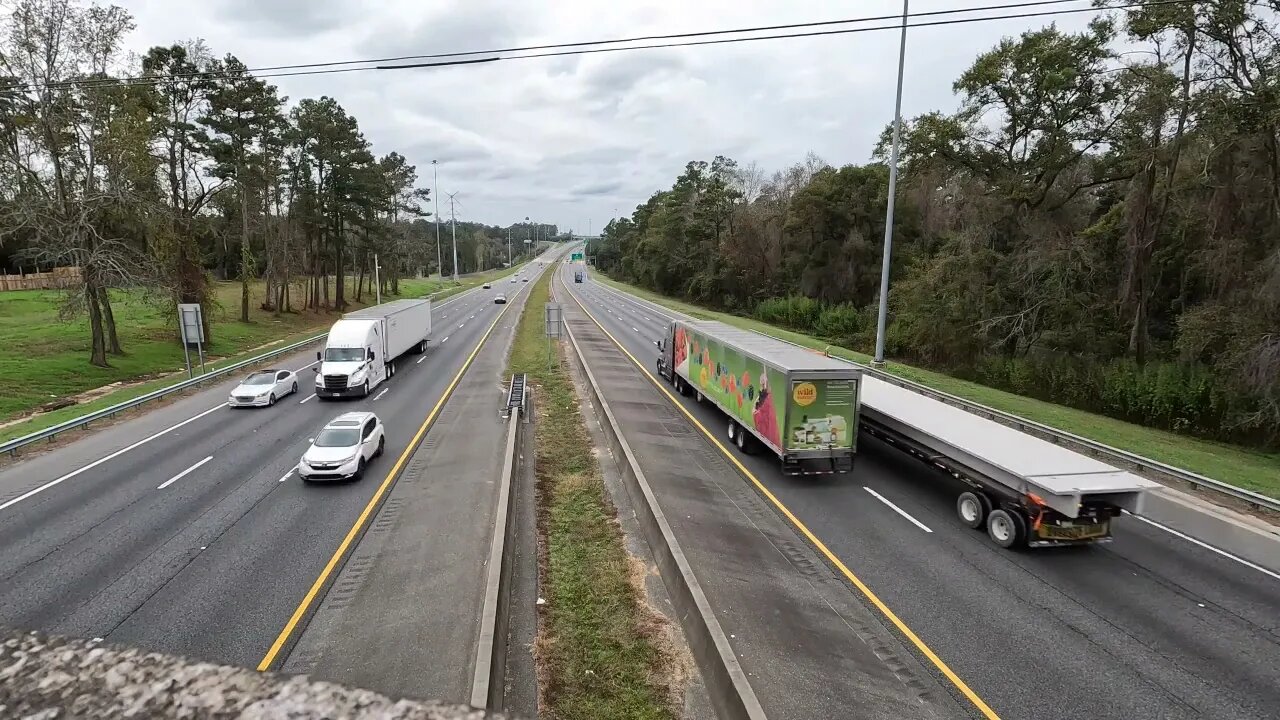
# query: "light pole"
{"points": [[893, 188], [453, 221], [435, 194], [377, 279], [508, 247]]}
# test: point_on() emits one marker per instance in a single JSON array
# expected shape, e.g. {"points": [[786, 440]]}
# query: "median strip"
{"points": [[596, 652]]}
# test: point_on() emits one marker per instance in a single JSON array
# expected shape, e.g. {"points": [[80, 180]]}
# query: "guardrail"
{"points": [[11, 447], [1122, 458]]}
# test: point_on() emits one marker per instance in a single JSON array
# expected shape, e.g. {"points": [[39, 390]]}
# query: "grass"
{"points": [[43, 358], [1243, 467], [596, 652]]}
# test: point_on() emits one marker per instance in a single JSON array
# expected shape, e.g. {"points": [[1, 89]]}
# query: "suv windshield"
{"points": [[261, 378], [344, 354], [338, 437]]}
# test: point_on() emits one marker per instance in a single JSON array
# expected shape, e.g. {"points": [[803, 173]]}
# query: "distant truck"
{"points": [[800, 405], [362, 346], [577, 276]]}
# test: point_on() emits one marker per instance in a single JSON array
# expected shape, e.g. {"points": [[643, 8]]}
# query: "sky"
{"points": [[577, 140]]}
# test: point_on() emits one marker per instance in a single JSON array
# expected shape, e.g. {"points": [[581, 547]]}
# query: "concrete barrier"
{"points": [[488, 680], [49, 677], [726, 682]]}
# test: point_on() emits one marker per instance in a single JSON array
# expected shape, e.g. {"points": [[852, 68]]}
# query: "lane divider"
{"points": [[183, 474], [357, 529], [804, 530]]}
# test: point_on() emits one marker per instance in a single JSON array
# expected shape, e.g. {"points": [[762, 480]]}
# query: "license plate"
{"points": [[1073, 532]]}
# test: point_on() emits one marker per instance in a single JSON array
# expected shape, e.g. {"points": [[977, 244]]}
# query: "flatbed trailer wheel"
{"points": [[1007, 529], [973, 509]]}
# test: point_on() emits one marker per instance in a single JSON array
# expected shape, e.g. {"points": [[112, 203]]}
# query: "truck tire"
{"points": [[973, 509], [697, 395], [1006, 529], [391, 370], [733, 432], [365, 392], [746, 442]]}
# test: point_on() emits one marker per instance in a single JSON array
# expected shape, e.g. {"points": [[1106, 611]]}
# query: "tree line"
{"points": [[1097, 225], [167, 172]]}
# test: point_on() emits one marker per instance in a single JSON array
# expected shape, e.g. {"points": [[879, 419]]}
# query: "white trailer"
{"points": [[362, 347], [1024, 490]]}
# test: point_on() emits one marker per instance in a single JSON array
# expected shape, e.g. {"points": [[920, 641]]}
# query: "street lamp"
{"points": [[435, 194], [893, 187]]}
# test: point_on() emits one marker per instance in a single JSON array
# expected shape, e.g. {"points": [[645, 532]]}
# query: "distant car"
{"points": [[344, 448], [513, 280], [500, 299], [488, 285], [524, 279], [263, 388]]}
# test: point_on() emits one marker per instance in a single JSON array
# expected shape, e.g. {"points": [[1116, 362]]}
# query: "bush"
{"points": [[795, 311], [839, 323]]}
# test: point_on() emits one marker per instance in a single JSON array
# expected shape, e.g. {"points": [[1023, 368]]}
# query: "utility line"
{"points": [[593, 47]]}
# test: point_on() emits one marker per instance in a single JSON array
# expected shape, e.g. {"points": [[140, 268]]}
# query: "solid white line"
{"points": [[306, 398], [446, 339], [379, 395], [461, 324], [113, 455], [1206, 546], [182, 474], [286, 475], [424, 357], [897, 509]]}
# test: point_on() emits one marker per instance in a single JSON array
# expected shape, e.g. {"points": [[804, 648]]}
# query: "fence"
{"points": [[56, 279]]}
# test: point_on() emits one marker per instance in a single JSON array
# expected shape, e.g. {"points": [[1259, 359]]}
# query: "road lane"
{"points": [[213, 564], [1148, 626]]}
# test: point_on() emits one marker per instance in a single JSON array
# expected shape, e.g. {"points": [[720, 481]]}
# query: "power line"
{"points": [[590, 47]]}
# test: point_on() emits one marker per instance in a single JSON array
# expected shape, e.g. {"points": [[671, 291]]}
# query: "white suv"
{"points": [[343, 448]]}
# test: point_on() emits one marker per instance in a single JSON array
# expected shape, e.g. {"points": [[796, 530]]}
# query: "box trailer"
{"points": [[800, 405], [362, 346]]}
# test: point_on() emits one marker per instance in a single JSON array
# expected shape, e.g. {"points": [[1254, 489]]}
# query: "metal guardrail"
{"points": [[1122, 458], [11, 447]]}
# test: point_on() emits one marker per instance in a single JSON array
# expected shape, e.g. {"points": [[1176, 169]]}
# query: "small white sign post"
{"points": [[555, 326]]}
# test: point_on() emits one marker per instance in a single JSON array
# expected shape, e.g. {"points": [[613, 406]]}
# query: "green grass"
{"points": [[43, 358], [1239, 466], [596, 649]]}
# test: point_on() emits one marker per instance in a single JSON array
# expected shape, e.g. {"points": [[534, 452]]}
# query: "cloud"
{"points": [[264, 18], [568, 139], [604, 188]]}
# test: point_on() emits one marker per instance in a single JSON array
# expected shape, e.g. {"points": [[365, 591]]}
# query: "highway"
{"points": [[185, 530], [1148, 626]]}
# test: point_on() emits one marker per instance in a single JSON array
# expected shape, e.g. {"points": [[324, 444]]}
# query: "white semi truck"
{"points": [[362, 347]]}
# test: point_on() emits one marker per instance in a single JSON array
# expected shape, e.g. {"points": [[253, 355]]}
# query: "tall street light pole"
{"points": [[893, 188], [435, 194], [453, 220]]}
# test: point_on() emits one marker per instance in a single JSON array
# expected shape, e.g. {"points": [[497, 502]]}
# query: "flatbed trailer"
{"points": [[1025, 491]]}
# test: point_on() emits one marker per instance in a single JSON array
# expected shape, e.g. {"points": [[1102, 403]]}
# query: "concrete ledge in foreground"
{"points": [[46, 678]]}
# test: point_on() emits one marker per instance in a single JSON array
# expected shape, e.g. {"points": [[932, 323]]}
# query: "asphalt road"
{"points": [[1147, 626], [213, 565]]}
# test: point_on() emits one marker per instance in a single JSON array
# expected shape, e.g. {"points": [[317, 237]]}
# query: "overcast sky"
{"points": [[570, 139]]}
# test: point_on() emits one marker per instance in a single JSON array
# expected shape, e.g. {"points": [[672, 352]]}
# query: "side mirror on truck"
{"points": [[373, 355], [318, 356]]}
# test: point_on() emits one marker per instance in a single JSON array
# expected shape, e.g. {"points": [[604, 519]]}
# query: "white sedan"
{"points": [[263, 388]]}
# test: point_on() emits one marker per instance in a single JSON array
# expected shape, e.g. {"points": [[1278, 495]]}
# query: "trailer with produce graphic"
{"points": [[799, 404]]}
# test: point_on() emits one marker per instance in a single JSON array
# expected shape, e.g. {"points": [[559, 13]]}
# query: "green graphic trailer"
{"points": [[799, 404]]}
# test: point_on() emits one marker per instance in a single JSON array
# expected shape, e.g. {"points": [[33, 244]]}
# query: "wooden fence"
{"points": [[55, 279]]}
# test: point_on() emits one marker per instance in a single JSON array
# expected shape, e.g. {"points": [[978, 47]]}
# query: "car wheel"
{"points": [[360, 470], [271, 400], [382, 442], [295, 388]]}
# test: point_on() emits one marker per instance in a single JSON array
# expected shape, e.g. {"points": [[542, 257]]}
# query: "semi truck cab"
{"points": [[349, 364]]}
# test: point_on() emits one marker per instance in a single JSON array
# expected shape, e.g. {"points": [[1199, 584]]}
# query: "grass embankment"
{"points": [[598, 644], [1239, 466], [43, 358]]}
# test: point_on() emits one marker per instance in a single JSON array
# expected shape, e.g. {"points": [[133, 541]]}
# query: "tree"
{"points": [[244, 121]]}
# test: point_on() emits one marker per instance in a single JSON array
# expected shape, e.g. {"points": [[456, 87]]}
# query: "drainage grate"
{"points": [[515, 395]]}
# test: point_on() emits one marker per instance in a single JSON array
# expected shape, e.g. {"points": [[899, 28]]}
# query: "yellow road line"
{"points": [[804, 530], [355, 530]]}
